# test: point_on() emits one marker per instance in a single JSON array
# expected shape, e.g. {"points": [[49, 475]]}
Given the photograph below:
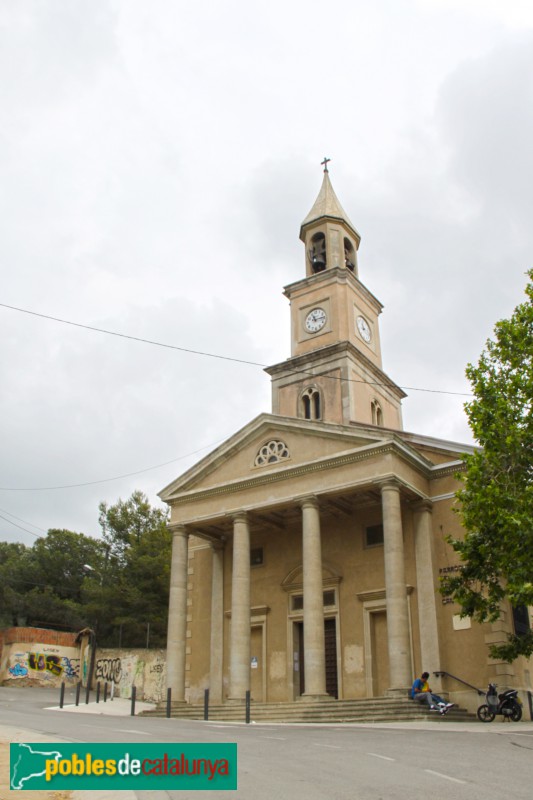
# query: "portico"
{"points": [[308, 524]]}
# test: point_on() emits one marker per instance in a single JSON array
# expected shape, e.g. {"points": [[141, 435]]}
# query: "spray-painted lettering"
{"points": [[41, 663], [71, 667], [109, 669]]}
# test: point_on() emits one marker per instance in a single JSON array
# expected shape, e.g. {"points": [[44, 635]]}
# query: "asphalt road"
{"points": [[440, 760]]}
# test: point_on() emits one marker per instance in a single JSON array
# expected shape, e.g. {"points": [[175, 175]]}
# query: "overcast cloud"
{"points": [[156, 162]]}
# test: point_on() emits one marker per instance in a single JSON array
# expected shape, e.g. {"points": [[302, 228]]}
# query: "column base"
{"points": [[315, 697]]}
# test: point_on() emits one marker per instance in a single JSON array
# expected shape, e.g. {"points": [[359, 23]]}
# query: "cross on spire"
{"points": [[325, 164]]}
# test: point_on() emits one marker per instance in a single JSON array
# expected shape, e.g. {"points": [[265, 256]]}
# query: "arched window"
{"points": [[349, 255], [271, 453], [377, 413], [311, 403], [317, 252]]}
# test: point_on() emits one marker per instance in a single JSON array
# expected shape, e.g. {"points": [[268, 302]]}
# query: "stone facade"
{"points": [[307, 549]]}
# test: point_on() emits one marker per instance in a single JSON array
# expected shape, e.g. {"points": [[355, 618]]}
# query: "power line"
{"points": [[216, 355], [132, 338], [181, 349], [103, 480], [9, 514], [20, 526]]}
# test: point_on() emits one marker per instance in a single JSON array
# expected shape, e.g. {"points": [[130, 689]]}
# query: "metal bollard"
{"points": [[62, 695], [248, 707], [87, 694], [97, 691], [105, 692], [78, 691], [530, 701], [133, 696], [169, 701], [206, 704]]}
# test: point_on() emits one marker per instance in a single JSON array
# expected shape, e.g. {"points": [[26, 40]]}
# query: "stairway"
{"points": [[377, 709]]}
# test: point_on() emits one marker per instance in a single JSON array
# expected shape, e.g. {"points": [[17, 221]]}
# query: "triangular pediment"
{"points": [[270, 444]]}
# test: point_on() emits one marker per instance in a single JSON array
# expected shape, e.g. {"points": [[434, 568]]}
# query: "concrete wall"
{"points": [[38, 656], [144, 668]]}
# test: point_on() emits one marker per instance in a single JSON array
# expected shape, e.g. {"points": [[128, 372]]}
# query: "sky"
{"points": [[156, 162]]}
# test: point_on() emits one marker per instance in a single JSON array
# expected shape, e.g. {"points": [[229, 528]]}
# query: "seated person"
{"points": [[421, 692]]}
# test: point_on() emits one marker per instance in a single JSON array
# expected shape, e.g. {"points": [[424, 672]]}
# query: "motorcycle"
{"points": [[508, 704]]}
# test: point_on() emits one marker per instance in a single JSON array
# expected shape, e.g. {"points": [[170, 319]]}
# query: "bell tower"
{"points": [[327, 243], [335, 370]]}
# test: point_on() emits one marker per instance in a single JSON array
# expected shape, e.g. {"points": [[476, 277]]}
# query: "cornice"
{"points": [[319, 357], [275, 424], [290, 472], [450, 468], [337, 275]]}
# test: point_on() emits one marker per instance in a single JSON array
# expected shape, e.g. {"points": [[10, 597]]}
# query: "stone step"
{"points": [[383, 709]]}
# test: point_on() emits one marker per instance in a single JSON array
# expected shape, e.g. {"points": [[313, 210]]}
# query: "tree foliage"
{"points": [[41, 585], [118, 585], [496, 501], [129, 601]]}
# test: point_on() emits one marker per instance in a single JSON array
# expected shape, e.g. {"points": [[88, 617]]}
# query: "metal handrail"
{"points": [[440, 673]]}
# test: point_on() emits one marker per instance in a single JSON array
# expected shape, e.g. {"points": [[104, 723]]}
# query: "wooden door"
{"points": [[330, 643]]}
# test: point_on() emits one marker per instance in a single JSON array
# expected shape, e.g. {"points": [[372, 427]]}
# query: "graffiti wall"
{"points": [[144, 668], [35, 662], [46, 658]]}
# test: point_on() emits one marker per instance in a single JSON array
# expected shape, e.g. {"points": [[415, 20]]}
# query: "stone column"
{"points": [[217, 623], [400, 668], [177, 613], [426, 592], [314, 653], [240, 609]]}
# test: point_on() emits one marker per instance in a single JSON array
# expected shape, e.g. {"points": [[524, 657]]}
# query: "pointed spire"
{"points": [[327, 205]]}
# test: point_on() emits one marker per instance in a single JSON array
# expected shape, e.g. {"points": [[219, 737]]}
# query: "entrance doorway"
{"points": [[330, 654], [380, 653], [256, 665], [330, 645]]}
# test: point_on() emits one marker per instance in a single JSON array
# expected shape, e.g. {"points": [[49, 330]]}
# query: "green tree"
{"points": [[118, 585], [496, 501], [61, 561], [128, 598], [42, 585], [13, 585], [125, 523]]}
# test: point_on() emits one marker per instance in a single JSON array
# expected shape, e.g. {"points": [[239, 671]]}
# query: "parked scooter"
{"points": [[508, 704]]}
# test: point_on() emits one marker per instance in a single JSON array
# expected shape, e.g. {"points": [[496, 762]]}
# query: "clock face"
{"points": [[364, 329], [315, 320]]}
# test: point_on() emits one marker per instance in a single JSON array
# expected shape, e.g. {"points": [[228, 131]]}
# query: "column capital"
{"points": [[178, 529], [310, 501], [217, 547], [240, 516], [423, 505], [389, 484]]}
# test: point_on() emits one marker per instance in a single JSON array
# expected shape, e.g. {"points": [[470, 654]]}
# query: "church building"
{"points": [[307, 548]]}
